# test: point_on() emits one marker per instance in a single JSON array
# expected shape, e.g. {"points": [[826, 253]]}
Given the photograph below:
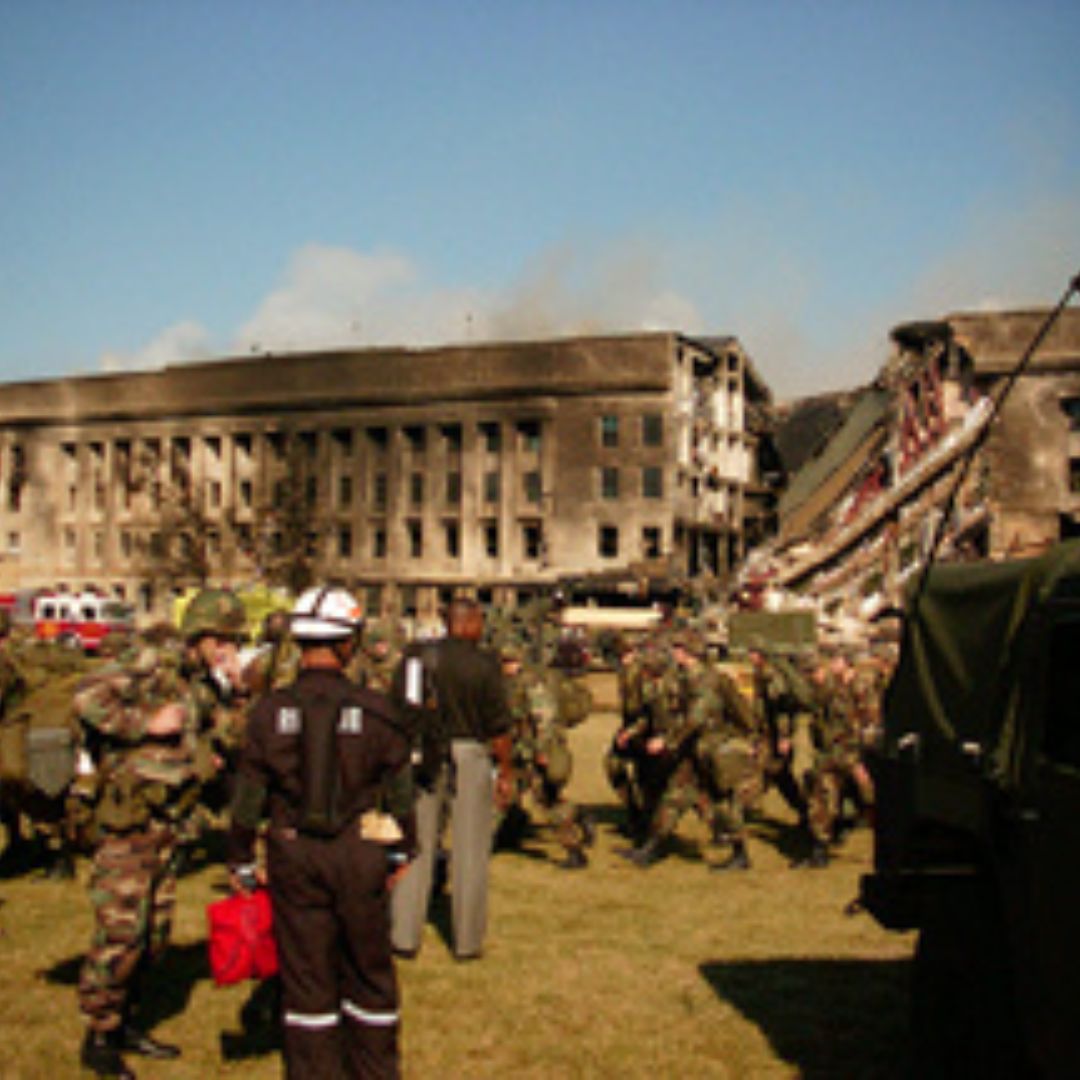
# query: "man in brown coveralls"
{"points": [[326, 760]]}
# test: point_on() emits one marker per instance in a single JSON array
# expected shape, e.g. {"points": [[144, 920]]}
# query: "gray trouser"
{"points": [[465, 786]]}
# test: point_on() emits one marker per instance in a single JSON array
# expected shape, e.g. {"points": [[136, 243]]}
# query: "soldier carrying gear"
{"points": [[141, 768], [541, 757], [326, 761]]}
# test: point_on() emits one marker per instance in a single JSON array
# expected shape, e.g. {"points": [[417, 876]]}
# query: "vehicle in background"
{"points": [[80, 621], [977, 825]]}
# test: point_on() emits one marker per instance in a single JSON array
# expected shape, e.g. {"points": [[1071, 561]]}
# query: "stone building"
{"points": [[858, 519], [495, 467]]}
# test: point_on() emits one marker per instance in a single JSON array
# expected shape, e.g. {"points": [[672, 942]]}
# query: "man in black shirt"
{"points": [[452, 696]]}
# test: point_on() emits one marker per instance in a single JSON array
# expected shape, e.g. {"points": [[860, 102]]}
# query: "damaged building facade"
{"points": [[858, 519], [500, 468]]}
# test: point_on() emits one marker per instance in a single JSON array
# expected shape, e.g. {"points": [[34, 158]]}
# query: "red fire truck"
{"points": [[81, 621]]}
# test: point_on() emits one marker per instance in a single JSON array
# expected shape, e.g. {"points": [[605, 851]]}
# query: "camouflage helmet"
{"points": [[214, 611]]}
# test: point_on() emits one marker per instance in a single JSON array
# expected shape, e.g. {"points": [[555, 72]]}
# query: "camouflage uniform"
{"points": [[12, 690], [376, 661], [221, 707], [636, 777], [729, 752], [140, 790], [541, 758], [837, 757], [784, 702]]}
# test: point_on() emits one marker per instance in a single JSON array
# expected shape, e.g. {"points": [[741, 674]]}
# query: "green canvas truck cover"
{"points": [[954, 699]]}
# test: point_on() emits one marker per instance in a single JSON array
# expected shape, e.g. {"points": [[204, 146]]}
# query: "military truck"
{"points": [[977, 833]]}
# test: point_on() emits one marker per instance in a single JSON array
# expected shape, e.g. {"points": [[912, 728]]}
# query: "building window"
{"points": [[491, 539], [608, 541], [379, 492], [609, 482], [652, 429], [491, 487], [491, 433], [415, 533], [373, 601], [344, 492], [416, 437], [378, 543], [344, 542], [451, 434], [416, 489], [125, 545], [529, 435], [247, 493], [532, 486], [344, 441], [453, 539], [453, 488], [650, 542], [213, 493], [378, 438], [14, 543], [652, 482], [311, 491], [609, 431], [1074, 476], [532, 540]]}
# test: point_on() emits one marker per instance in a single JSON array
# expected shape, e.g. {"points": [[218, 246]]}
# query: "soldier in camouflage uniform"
{"points": [[213, 626], [699, 728], [12, 689], [784, 702], [376, 660], [141, 764], [540, 755], [276, 661], [636, 776], [837, 760]]}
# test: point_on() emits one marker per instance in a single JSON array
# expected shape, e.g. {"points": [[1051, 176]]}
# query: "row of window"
{"points": [[531, 540], [612, 430], [611, 485]]}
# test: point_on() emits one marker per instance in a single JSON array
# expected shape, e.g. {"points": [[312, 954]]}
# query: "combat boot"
{"points": [[588, 829], [737, 860], [575, 860], [139, 1042], [816, 859], [101, 1055], [652, 851]]}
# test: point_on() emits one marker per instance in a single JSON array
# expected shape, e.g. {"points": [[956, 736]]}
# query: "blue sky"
{"points": [[188, 179]]}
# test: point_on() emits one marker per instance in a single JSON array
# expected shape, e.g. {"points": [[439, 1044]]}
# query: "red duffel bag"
{"points": [[242, 942]]}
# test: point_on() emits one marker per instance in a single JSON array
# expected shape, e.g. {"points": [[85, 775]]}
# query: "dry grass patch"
{"points": [[607, 972]]}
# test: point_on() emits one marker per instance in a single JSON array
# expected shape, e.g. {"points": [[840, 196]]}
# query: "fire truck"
{"points": [[80, 621]]}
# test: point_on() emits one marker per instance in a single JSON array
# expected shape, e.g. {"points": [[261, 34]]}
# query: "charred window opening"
{"points": [[608, 541]]}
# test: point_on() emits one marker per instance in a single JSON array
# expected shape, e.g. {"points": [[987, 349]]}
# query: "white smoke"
{"points": [[179, 343]]}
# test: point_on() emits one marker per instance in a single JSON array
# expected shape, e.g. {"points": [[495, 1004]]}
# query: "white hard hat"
{"points": [[325, 614]]}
